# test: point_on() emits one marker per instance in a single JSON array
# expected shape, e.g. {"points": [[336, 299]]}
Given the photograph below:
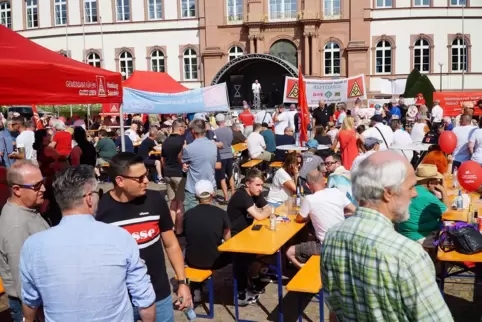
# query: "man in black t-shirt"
{"points": [[147, 146], [205, 227], [174, 176], [145, 215], [321, 115], [244, 206]]}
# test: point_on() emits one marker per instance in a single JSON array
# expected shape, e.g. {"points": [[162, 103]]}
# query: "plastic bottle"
{"points": [[298, 196], [460, 201], [272, 220], [188, 312]]}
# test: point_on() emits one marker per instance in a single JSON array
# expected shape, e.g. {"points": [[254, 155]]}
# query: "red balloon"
{"points": [[447, 142], [469, 176]]}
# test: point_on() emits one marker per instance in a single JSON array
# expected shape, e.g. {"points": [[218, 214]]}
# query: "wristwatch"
{"points": [[183, 282]]}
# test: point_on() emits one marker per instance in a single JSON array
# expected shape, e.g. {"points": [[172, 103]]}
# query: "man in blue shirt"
{"points": [[269, 138], [128, 142], [7, 139], [395, 110], [82, 269]]}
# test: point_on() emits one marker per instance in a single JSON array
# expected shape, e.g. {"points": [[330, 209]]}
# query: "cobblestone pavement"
{"points": [[462, 297]]}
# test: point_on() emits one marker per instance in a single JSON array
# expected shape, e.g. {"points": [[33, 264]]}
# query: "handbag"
{"points": [[465, 239]]}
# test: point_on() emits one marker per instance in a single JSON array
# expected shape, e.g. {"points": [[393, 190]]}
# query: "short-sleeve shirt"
{"points": [[311, 162], [278, 192], [145, 218], [476, 139], [128, 143], [201, 155], [247, 118], [106, 148], [25, 140], [463, 133], [282, 123], [238, 207], [256, 144], [270, 140], [225, 135], [146, 146], [64, 142], [238, 137], [204, 227], [322, 117], [171, 148]]}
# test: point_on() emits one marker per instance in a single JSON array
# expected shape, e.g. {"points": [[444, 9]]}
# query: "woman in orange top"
{"points": [[348, 138]]}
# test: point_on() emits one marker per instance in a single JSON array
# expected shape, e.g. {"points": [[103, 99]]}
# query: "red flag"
{"points": [[38, 123], [303, 108]]}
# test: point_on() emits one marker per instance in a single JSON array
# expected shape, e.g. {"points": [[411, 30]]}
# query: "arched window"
{"points": [[332, 59], [421, 55], [93, 59], [235, 52], [157, 61], [282, 9], [285, 50], [126, 64], [6, 14], [190, 64], [383, 55], [459, 55]]}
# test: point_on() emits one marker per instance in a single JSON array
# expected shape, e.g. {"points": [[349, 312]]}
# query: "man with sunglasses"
{"points": [[19, 219], [145, 215]]}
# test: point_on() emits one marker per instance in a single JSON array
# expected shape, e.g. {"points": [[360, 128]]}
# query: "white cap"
{"points": [[204, 189], [220, 118]]}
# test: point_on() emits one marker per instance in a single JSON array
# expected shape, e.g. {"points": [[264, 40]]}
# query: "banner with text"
{"points": [[451, 102], [330, 91], [206, 99]]}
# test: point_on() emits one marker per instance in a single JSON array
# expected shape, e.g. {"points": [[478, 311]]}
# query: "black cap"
{"points": [[265, 125], [377, 118]]}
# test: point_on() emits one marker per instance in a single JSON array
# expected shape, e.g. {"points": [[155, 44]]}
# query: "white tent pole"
{"points": [[123, 139], [70, 110]]}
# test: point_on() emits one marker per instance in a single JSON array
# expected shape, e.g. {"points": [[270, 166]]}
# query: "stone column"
{"points": [[315, 55], [251, 44], [307, 54]]}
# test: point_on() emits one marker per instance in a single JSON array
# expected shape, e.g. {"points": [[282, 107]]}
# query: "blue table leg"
{"points": [[280, 285], [322, 306], [235, 282], [442, 278], [300, 308]]}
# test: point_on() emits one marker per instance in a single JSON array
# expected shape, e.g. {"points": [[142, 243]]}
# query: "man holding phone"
{"points": [[244, 206]]}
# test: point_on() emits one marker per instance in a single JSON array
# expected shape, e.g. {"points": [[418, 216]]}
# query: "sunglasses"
{"points": [[35, 187], [139, 179]]}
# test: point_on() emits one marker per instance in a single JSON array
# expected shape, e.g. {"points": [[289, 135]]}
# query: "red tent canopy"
{"points": [[153, 82], [32, 74]]}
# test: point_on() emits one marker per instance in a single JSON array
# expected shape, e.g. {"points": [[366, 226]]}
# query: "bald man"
{"points": [[397, 273], [19, 219]]}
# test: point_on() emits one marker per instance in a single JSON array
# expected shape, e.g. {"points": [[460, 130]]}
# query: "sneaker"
{"points": [[257, 286], [246, 298], [197, 298], [223, 202]]}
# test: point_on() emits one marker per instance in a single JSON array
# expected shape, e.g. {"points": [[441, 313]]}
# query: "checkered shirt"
{"points": [[372, 273]]}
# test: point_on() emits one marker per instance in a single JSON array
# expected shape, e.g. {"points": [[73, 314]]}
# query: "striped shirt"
{"points": [[372, 273]]}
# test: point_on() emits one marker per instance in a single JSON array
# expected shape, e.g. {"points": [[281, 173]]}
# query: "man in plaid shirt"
{"points": [[369, 271]]}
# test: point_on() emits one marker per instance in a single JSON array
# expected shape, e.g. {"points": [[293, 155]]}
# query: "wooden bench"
{"points": [[251, 163], [276, 164], [2, 290], [199, 276], [308, 280]]}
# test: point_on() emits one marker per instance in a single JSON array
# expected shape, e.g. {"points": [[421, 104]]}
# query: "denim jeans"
{"points": [[15, 309], [164, 311], [190, 201]]}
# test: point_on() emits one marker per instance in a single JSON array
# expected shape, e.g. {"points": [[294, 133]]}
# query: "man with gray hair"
{"points": [[225, 135], [83, 267], [20, 218], [369, 271]]}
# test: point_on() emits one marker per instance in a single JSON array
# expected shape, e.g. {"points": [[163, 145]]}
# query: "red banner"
{"points": [[451, 102], [110, 109]]}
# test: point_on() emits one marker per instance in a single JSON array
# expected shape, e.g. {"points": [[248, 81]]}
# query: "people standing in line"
{"points": [[395, 268], [325, 208], [321, 115], [257, 145], [246, 205], [463, 132], [147, 146], [200, 159], [82, 268], [24, 141], [281, 120], [175, 178], [348, 139], [62, 140], [84, 152], [247, 118], [238, 136], [20, 218], [225, 135], [145, 215]]}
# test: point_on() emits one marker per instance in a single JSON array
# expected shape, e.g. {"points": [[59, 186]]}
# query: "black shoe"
{"points": [[246, 298], [257, 286]]}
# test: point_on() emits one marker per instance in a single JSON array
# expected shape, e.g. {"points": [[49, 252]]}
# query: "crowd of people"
{"points": [[71, 252]]}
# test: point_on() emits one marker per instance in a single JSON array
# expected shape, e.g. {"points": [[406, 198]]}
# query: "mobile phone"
{"points": [[256, 227]]}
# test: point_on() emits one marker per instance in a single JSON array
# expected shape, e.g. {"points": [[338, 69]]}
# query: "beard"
{"points": [[401, 212]]}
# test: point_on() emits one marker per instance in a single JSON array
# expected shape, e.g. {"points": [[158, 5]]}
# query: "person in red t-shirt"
{"points": [[62, 140], [247, 118]]}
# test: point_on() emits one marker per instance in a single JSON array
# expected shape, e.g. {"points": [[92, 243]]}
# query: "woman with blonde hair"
{"points": [[348, 138]]}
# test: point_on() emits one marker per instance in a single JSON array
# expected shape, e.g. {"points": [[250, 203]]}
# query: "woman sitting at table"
{"points": [[284, 180], [426, 209]]}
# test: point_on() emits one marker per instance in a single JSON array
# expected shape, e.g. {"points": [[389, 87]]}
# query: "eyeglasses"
{"points": [[139, 179], [35, 187], [330, 163], [99, 193]]}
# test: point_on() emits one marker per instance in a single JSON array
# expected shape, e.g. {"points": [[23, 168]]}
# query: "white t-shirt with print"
{"points": [[282, 124], [463, 134], [325, 208], [277, 192], [25, 140], [256, 144]]}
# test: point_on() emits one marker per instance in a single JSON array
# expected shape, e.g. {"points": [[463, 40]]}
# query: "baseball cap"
{"points": [[220, 118], [371, 142], [377, 118], [204, 189], [312, 144]]}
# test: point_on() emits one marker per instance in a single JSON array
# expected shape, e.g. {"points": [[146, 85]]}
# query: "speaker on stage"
{"points": [[236, 90]]}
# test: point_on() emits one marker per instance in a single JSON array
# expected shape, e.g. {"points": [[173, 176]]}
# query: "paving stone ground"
{"points": [[462, 296]]}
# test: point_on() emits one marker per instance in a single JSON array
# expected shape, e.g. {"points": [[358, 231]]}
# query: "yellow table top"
{"points": [[456, 215], [263, 241], [2, 290], [458, 257], [308, 279], [155, 153], [240, 147]]}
